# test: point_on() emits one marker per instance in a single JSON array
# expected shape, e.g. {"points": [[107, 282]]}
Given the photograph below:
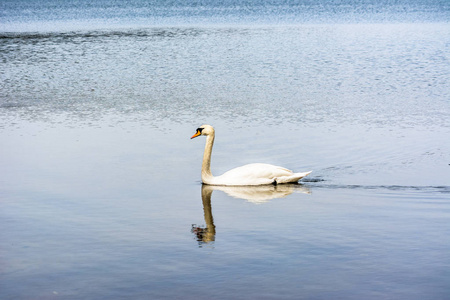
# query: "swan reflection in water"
{"points": [[206, 234], [254, 194]]}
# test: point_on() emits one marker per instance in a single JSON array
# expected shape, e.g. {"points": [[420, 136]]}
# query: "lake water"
{"points": [[100, 185]]}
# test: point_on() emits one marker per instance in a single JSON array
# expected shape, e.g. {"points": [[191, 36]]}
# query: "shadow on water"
{"points": [[321, 183], [254, 194]]}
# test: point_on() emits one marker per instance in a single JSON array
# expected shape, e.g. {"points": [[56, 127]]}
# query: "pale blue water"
{"points": [[33, 15], [100, 184]]}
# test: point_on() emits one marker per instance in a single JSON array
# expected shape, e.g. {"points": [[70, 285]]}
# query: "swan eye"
{"points": [[199, 130]]}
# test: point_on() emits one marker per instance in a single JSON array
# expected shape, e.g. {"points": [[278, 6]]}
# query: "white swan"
{"points": [[252, 174]]}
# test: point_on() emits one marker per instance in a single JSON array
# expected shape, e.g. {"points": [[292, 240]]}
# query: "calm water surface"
{"points": [[100, 184]]}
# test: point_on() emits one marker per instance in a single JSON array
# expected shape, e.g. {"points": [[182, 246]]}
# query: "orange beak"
{"points": [[196, 134]]}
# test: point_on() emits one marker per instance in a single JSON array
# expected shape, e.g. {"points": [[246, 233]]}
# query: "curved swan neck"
{"points": [[206, 165]]}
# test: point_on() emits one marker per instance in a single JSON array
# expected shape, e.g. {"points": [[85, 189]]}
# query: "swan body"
{"points": [[251, 174]]}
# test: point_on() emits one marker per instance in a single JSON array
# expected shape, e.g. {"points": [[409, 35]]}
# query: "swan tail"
{"points": [[292, 178]]}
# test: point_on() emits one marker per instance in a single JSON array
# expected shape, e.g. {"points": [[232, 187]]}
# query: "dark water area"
{"points": [[100, 191]]}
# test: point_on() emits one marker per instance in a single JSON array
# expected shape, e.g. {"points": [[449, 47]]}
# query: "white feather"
{"points": [[251, 174]]}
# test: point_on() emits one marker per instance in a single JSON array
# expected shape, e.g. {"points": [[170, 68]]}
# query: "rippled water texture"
{"points": [[100, 184], [379, 92], [51, 15]]}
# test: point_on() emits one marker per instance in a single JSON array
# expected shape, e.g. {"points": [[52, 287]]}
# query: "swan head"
{"points": [[203, 130]]}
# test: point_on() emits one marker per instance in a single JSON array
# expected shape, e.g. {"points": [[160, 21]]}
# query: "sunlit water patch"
{"points": [[379, 75]]}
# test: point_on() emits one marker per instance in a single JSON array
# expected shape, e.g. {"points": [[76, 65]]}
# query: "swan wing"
{"points": [[257, 174], [293, 178]]}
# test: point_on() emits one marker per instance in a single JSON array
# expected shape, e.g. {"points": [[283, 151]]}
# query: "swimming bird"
{"points": [[251, 174]]}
